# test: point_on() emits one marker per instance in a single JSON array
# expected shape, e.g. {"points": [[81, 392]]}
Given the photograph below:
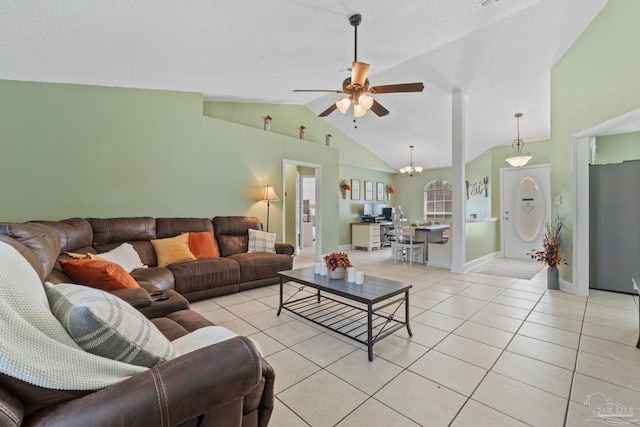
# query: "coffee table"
{"points": [[343, 311]]}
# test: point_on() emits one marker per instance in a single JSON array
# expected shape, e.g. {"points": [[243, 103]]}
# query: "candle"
{"points": [[351, 274], [323, 270], [359, 277]]}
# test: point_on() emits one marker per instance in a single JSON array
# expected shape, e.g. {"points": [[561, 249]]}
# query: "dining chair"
{"points": [[405, 242]]}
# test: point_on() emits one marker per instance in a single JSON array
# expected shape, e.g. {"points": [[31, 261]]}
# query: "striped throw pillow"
{"points": [[103, 324]]}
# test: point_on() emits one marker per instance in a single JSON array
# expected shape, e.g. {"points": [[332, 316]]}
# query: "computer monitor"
{"points": [[373, 209], [386, 213]]}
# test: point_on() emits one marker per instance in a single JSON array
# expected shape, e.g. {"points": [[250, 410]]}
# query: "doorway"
{"points": [[582, 157], [295, 173], [307, 215], [525, 201]]}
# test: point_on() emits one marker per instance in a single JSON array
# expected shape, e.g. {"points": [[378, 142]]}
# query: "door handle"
{"points": [[506, 218]]}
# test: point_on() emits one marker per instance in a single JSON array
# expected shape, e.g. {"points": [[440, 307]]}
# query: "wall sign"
{"points": [[478, 188]]}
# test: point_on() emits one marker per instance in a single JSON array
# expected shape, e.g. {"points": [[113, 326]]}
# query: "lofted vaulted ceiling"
{"points": [[500, 55]]}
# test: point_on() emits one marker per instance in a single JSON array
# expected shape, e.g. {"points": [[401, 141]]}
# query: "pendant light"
{"points": [[411, 170], [519, 158]]}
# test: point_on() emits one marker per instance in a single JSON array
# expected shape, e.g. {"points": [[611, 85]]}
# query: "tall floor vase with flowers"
{"points": [[551, 254]]}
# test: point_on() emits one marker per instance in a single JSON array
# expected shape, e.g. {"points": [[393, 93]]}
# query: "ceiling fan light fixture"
{"points": [[365, 101], [358, 111], [518, 159], [344, 104], [411, 170]]}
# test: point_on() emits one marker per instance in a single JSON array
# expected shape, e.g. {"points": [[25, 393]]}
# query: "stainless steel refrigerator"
{"points": [[614, 228]]}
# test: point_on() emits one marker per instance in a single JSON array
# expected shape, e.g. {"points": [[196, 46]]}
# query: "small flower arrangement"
{"points": [[302, 128], [337, 259], [344, 186], [551, 255], [268, 119], [389, 189], [329, 136]]}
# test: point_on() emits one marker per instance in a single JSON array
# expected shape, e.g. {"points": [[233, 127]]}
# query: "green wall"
{"points": [[617, 148], [351, 210], [596, 80], [74, 150]]}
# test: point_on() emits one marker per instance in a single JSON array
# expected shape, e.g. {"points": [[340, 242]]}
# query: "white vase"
{"points": [[267, 126]]}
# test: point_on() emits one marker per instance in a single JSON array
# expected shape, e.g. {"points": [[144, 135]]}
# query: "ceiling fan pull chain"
{"points": [[355, 124]]}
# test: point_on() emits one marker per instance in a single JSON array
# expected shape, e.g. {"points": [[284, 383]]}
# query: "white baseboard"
{"points": [[345, 248], [479, 261]]}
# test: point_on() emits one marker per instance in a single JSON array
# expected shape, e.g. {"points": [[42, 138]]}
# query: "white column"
{"points": [[457, 182]]}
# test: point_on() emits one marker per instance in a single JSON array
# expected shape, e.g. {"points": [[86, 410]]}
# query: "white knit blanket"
{"points": [[34, 347]]}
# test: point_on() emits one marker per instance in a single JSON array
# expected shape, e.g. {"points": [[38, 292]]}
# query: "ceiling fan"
{"points": [[357, 87]]}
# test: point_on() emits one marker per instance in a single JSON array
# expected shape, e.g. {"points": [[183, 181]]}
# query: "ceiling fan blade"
{"points": [[318, 90], [379, 109], [402, 87], [359, 72], [328, 111]]}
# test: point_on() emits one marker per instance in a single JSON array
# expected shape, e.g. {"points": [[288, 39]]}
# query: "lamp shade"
{"points": [[343, 104], [268, 194], [358, 111], [365, 101]]}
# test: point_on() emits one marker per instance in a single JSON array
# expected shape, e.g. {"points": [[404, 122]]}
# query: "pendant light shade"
{"points": [[344, 104]]}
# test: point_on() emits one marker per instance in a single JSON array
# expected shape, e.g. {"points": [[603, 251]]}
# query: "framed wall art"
{"points": [[355, 189], [368, 190], [380, 191]]}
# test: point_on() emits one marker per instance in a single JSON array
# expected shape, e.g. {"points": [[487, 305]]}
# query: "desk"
{"points": [[365, 235]]}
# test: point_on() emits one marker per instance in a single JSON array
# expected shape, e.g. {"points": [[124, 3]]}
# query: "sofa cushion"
{"points": [[203, 245], [40, 239], [124, 255], [232, 233], [75, 233], [107, 326], [204, 274], [257, 266], [172, 249], [154, 277], [169, 227], [261, 241], [98, 274]]}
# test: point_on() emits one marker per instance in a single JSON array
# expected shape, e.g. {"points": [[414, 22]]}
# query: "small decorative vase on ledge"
{"points": [[267, 126], [338, 273], [552, 277], [301, 134]]}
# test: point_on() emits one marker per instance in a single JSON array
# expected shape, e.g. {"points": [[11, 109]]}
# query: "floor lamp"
{"points": [[268, 195]]}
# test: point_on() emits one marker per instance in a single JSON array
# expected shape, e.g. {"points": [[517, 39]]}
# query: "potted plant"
{"points": [[551, 254], [389, 190], [337, 263], [344, 187]]}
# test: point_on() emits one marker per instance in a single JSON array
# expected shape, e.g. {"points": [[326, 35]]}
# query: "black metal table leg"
{"points": [[318, 296], [281, 291], [406, 307], [370, 331]]}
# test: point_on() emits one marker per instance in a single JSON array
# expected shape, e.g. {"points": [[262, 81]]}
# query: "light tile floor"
{"points": [[485, 351]]}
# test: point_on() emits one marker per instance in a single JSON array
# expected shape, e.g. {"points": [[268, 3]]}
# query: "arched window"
{"points": [[437, 200]]}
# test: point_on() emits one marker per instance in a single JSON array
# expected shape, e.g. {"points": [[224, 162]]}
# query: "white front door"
{"points": [[526, 205]]}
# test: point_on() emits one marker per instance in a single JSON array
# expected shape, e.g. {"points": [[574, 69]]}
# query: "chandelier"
{"points": [[519, 159], [411, 170]]}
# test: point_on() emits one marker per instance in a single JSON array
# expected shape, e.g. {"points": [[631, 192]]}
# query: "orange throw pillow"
{"points": [[104, 275], [203, 245]]}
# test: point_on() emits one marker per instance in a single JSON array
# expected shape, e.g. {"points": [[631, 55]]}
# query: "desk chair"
{"points": [[404, 241]]}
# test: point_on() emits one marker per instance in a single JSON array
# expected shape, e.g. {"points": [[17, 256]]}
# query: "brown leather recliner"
{"points": [[225, 384]]}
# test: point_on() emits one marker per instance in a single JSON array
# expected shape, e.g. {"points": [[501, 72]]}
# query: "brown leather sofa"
{"points": [[233, 271], [224, 384]]}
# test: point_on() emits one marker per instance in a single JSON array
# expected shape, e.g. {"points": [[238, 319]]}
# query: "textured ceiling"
{"points": [[499, 55]]}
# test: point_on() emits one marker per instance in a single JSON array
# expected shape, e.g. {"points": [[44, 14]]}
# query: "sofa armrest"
{"points": [[168, 394], [11, 410], [285, 249], [137, 297]]}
